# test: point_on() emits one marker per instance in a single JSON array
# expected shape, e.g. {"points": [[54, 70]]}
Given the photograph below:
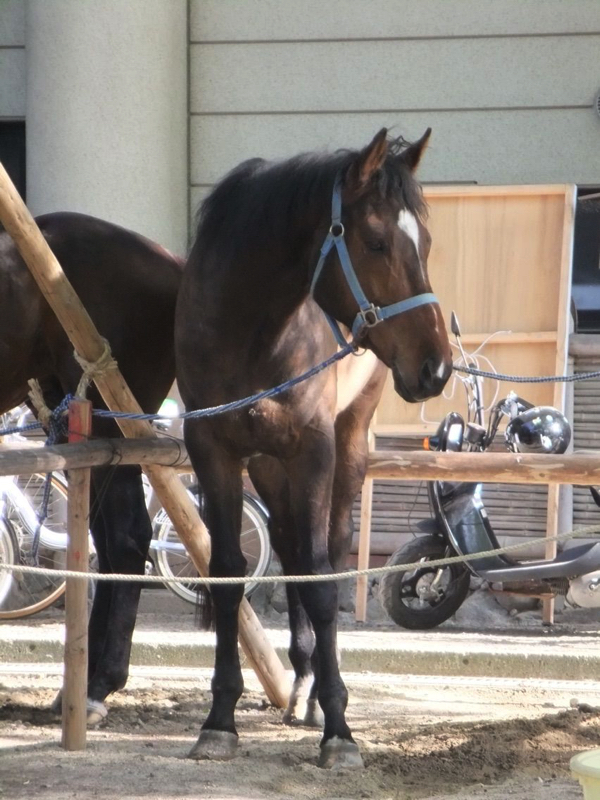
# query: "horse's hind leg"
{"points": [[271, 482], [122, 532], [221, 480]]}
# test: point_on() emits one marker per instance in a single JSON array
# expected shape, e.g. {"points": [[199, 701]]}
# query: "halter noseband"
{"points": [[369, 314]]}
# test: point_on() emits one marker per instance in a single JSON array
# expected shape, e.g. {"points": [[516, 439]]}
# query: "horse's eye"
{"points": [[376, 245]]}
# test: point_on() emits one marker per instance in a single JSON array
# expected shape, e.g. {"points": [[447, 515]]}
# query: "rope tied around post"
{"points": [[94, 369]]}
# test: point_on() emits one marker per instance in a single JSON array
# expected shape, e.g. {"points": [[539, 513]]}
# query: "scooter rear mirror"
{"points": [[454, 326]]}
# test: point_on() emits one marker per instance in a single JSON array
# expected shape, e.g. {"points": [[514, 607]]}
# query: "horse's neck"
{"points": [[273, 288]]}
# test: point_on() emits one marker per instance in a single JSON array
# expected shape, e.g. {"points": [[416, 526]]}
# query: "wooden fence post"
{"points": [[364, 548], [74, 710]]}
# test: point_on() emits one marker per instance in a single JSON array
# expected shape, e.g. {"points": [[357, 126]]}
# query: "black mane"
{"points": [[270, 196]]}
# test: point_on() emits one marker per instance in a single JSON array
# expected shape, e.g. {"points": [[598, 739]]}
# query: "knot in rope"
{"points": [[94, 369]]}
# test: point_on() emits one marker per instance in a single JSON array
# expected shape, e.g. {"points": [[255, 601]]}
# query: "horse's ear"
{"points": [[366, 164], [414, 152]]}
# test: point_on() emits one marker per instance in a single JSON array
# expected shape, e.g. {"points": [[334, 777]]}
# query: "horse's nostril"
{"points": [[434, 373]]}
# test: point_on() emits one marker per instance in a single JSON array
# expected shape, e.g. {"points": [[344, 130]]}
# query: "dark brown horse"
{"points": [[246, 321], [129, 286]]}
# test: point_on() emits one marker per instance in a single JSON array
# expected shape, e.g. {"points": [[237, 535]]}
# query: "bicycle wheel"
{"points": [[9, 550], [172, 560], [30, 593]]}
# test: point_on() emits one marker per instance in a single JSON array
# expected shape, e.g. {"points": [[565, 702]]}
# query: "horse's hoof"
{"points": [[96, 712], [313, 716], [215, 745], [289, 717], [340, 754]]}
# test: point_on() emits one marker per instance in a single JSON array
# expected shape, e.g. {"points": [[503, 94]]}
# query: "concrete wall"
{"points": [[506, 86], [12, 59], [107, 112]]}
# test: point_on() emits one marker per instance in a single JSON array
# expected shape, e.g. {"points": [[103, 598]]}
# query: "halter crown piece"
{"points": [[369, 314]]}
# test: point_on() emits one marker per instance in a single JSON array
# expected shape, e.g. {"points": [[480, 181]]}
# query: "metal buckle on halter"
{"points": [[337, 230], [370, 316]]}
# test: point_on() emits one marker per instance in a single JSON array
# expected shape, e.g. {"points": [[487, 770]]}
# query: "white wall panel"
{"points": [[12, 23], [351, 76], [12, 82], [259, 20], [534, 146], [507, 85]]}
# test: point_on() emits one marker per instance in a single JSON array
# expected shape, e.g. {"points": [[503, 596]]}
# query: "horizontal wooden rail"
{"points": [[579, 468], [97, 453]]}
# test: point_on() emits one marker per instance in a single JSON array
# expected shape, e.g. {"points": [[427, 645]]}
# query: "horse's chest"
{"points": [[353, 374], [271, 427]]}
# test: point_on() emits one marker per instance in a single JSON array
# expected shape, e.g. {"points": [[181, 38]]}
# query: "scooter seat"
{"points": [[569, 564]]}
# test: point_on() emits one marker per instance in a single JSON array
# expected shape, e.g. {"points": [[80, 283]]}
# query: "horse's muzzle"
{"points": [[432, 377]]}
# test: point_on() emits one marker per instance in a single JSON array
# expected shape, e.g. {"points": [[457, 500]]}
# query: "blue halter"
{"points": [[368, 315]]}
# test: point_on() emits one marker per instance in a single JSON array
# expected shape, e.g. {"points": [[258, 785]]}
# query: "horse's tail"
{"points": [[204, 618]]}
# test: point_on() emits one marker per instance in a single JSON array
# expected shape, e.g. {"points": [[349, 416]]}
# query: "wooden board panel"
{"points": [[497, 260]]}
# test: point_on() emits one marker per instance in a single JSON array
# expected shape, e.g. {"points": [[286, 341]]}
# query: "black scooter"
{"points": [[426, 597]]}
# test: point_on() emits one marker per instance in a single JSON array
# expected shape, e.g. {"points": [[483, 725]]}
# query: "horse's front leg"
{"points": [[311, 478], [221, 482]]}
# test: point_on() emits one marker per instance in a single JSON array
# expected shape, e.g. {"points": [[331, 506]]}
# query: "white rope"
{"points": [[44, 414], [336, 576], [94, 369]]}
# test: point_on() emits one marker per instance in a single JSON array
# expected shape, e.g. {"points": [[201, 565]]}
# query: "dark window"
{"points": [[586, 260], [12, 152]]}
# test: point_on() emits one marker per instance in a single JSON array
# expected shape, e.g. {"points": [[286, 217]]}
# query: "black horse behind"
{"points": [[129, 285]]}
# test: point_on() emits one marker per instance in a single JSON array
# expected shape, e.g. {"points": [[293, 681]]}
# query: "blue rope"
{"points": [[498, 376], [235, 404], [31, 426]]}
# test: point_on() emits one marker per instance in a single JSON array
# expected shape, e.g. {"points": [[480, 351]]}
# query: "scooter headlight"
{"points": [[541, 429]]}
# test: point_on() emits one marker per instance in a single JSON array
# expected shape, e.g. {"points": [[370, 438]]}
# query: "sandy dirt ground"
{"points": [[420, 738]]}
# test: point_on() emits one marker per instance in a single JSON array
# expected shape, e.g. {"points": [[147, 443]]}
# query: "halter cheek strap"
{"points": [[369, 314]]}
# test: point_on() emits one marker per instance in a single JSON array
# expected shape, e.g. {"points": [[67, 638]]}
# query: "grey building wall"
{"points": [[507, 86], [12, 59]]}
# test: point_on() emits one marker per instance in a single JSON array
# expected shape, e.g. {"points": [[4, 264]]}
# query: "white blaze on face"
{"points": [[408, 223]]}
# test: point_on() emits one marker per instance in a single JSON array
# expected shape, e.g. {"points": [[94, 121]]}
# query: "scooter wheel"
{"points": [[415, 600]]}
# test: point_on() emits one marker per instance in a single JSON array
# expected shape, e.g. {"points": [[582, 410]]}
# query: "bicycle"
{"points": [[20, 500]]}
